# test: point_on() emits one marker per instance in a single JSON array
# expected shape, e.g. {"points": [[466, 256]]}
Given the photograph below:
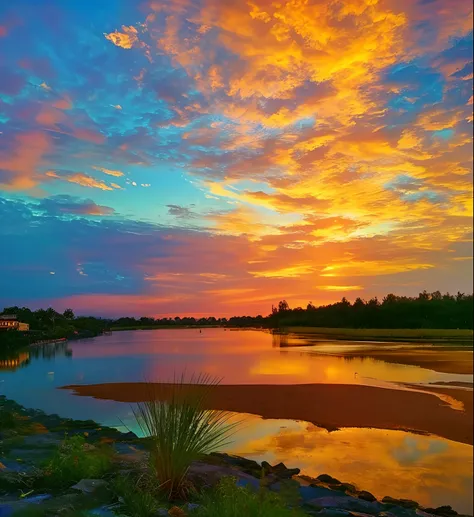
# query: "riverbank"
{"points": [[330, 406], [362, 334], [51, 465]]}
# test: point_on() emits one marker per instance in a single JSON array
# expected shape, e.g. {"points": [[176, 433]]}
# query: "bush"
{"points": [[181, 429], [230, 500], [73, 461], [135, 501]]}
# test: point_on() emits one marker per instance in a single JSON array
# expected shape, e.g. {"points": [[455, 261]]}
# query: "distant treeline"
{"points": [[425, 311]]}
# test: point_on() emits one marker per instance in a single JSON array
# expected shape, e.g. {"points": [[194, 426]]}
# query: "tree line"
{"points": [[425, 311]]}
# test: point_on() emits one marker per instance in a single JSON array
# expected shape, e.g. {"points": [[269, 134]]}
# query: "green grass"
{"points": [[181, 430], [136, 501], [72, 461], [229, 500], [415, 334]]}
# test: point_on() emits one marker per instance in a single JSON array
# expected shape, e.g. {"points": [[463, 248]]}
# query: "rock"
{"points": [[89, 486], [6, 510], [36, 499], [280, 470], [162, 512], [176, 511], [444, 511], [314, 492], [333, 512], [8, 466], [346, 503], [192, 506], [329, 480], [249, 466], [42, 440], [205, 474], [344, 487], [129, 436], [405, 503], [366, 496]]}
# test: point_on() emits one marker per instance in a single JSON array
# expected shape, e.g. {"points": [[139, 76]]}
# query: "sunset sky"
{"points": [[211, 157]]}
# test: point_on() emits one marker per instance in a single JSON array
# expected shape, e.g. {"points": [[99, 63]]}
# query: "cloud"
{"points": [[125, 39], [64, 204], [81, 178], [110, 172], [21, 158], [181, 212], [289, 143]]}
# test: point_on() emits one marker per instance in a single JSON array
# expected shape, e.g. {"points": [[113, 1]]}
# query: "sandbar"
{"points": [[330, 406]]}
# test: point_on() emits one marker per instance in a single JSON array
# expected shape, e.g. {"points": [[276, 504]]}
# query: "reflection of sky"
{"points": [[384, 462], [432, 471], [246, 357]]}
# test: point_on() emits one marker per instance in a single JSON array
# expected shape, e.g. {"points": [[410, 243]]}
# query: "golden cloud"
{"points": [[125, 39]]}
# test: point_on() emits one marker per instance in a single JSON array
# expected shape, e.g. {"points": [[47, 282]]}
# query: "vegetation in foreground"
{"points": [[230, 500], [125, 484], [181, 430]]}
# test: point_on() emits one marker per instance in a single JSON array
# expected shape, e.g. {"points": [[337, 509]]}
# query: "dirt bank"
{"points": [[326, 405]]}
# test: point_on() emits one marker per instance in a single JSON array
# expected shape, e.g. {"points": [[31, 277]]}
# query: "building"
{"points": [[10, 322]]}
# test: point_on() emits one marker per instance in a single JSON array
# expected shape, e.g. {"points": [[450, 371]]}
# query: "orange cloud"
{"points": [[125, 39], [81, 179], [110, 172], [21, 162]]}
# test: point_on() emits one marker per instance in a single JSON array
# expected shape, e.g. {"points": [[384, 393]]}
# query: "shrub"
{"points": [[181, 429], [230, 500], [72, 462], [135, 501]]}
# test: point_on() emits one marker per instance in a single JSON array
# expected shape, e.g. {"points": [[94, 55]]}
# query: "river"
{"points": [[427, 468]]}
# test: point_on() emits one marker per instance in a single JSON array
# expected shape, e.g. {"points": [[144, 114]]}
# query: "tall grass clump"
{"points": [[229, 500], [181, 428]]}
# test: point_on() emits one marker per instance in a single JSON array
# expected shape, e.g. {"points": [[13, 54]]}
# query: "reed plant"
{"points": [[181, 427]]}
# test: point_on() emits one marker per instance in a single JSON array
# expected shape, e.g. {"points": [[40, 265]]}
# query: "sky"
{"points": [[212, 157]]}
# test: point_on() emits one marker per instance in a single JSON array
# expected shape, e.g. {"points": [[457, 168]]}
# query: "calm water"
{"points": [[429, 469]]}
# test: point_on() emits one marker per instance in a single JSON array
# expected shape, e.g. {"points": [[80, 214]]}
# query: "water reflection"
{"points": [[249, 357], [384, 462], [11, 360], [432, 470], [51, 350]]}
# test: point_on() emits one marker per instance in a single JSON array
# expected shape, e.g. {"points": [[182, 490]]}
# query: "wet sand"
{"points": [[330, 406], [438, 360]]}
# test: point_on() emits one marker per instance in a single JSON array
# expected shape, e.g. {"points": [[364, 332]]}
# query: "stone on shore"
{"points": [[405, 503], [89, 486], [366, 496], [329, 480], [443, 511]]}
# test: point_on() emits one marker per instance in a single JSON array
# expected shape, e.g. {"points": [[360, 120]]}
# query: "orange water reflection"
{"points": [[246, 357], [427, 469]]}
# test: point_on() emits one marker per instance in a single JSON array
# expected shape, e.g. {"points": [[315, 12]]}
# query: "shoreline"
{"points": [[342, 405], [33, 436]]}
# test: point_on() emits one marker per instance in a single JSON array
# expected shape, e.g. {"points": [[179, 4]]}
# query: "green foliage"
{"points": [[75, 460], [136, 501], [181, 429], [229, 500]]}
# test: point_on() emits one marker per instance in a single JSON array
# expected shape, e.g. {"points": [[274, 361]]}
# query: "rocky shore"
{"points": [[35, 480]]}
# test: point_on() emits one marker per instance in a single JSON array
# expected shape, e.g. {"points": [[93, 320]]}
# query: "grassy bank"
{"points": [[457, 335], [157, 327]]}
